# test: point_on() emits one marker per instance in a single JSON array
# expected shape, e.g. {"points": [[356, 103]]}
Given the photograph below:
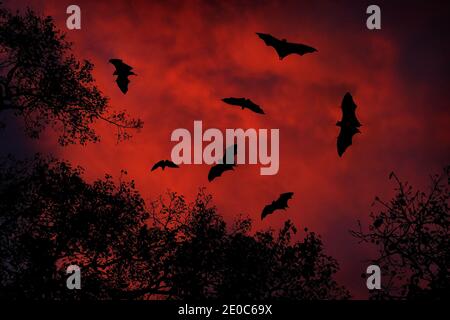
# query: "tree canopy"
{"points": [[171, 248], [45, 85]]}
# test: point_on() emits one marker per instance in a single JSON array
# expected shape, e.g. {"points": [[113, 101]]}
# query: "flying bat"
{"points": [[349, 124], [283, 47], [122, 72], [222, 165], [244, 103], [280, 203], [163, 164], [218, 169]]}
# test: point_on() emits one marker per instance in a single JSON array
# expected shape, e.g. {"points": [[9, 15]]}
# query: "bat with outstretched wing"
{"points": [[123, 71], [285, 48], [349, 124], [163, 164], [244, 103], [280, 204], [223, 165], [218, 169]]}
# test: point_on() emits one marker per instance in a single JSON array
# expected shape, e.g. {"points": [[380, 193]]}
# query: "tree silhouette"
{"points": [[51, 218], [171, 249], [212, 262], [411, 233], [45, 85]]}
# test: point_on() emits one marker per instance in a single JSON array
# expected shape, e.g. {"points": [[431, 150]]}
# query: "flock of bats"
{"points": [[348, 124]]}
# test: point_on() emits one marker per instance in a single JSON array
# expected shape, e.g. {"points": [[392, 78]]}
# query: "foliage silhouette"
{"points": [[170, 249], [51, 218], [411, 232], [46, 86]]}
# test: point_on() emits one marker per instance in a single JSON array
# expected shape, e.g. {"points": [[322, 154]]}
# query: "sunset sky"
{"points": [[188, 55]]}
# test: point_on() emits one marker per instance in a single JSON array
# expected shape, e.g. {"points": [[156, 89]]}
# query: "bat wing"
{"points": [[159, 164], [298, 48], [345, 138], [269, 209], [120, 66], [170, 164], [280, 46], [116, 62], [217, 170], [126, 68], [235, 101], [244, 103], [253, 106], [349, 111], [349, 124], [122, 82], [214, 172], [284, 48], [282, 202], [269, 40]]}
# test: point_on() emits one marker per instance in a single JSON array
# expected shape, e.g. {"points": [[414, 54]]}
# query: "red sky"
{"points": [[190, 54]]}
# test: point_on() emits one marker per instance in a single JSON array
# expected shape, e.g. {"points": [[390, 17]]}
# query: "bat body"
{"points": [[280, 204], [122, 72], [349, 124], [163, 164], [222, 165], [285, 48], [244, 103]]}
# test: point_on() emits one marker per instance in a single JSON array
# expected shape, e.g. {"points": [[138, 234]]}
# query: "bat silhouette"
{"points": [[349, 124], [222, 165], [218, 169], [285, 48], [122, 72], [163, 164], [280, 203], [244, 103]]}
